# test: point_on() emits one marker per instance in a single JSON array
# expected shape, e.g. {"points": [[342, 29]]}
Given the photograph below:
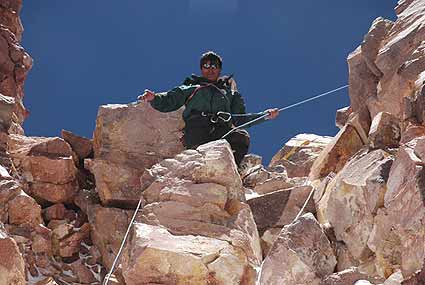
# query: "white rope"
{"points": [[106, 280], [284, 108]]}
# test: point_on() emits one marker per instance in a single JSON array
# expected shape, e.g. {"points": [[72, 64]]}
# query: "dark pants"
{"points": [[200, 130]]}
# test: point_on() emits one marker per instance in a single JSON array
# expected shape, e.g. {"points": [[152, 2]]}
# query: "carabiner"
{"points": [[224, 119]]}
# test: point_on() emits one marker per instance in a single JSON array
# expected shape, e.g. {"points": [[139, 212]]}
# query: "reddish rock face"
{"points": [[83, 147], [24, 210], [12, 266]]}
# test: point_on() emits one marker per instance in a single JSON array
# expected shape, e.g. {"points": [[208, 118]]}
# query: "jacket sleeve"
{"points": [[239, 115], [171, 100]]}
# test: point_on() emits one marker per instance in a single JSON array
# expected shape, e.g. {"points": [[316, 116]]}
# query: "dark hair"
{"points": [[211, 57]]}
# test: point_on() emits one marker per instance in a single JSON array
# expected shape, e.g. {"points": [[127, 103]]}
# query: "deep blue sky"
{"points": [[90, 53]]}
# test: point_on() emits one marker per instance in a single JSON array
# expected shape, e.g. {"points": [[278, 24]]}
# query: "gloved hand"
{"points": [[147, 96], [273, 113]]}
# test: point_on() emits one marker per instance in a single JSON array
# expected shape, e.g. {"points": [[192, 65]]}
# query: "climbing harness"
{"points": [[282, 109]]}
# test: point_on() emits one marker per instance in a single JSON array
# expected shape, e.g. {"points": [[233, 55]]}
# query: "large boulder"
{"points": [[129, 139], [194, 200], [302, 254]]}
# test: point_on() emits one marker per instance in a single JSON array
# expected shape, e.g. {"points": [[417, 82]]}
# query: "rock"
{"points": [[342, 115], [15, 63], [107, 229], [385, 131], [372, 43], [348, 276], [125, 147], [274, 183], [189, 259], [248, 162], [411, 132], [86, 199], [301, 255], [7, 105], [12, 266], [397, 236], [417, 279], [116, 185], [55, 212], [120, 137], [334, 156], [82, 146], [54, 193], [395, 279], [268, 238], [23, 209], [47, 165], [83, 273], [279, 208], [42, 240], [353, 197], [70, 245], [299, 153], [195, 197]]}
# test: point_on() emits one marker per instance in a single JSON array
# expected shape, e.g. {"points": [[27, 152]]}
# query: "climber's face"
{"points": [[211, 71]]}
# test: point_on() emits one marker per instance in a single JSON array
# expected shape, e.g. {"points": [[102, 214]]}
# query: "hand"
{"points": [[272, 113], [147, 96]]}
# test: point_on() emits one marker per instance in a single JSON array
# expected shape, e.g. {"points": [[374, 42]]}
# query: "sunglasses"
{"points": [[208, 66]]}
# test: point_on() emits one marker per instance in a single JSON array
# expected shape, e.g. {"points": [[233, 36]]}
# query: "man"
{"points": [[209, 101]]}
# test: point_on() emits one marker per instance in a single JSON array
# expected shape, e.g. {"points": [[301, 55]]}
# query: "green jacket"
{"points": [[201, 95]]}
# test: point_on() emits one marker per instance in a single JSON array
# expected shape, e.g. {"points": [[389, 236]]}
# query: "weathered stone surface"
{"points": [[353, 197], [120, 137], [342, 115], [385, 131], [116, 184], [47, 165], [55, 212], [9, 12], [345, 277], [7, 105], [301, 255], [280, 208], [268, 238], [82, 146], [124, 148], [195, 197], [108, 226], [12, 266], [334, 156], [24, 210], [188, 259], [85, 276], [398, 233], [411, 132], [70, 245], [41, 240], [299, 153], [248, 162]]}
